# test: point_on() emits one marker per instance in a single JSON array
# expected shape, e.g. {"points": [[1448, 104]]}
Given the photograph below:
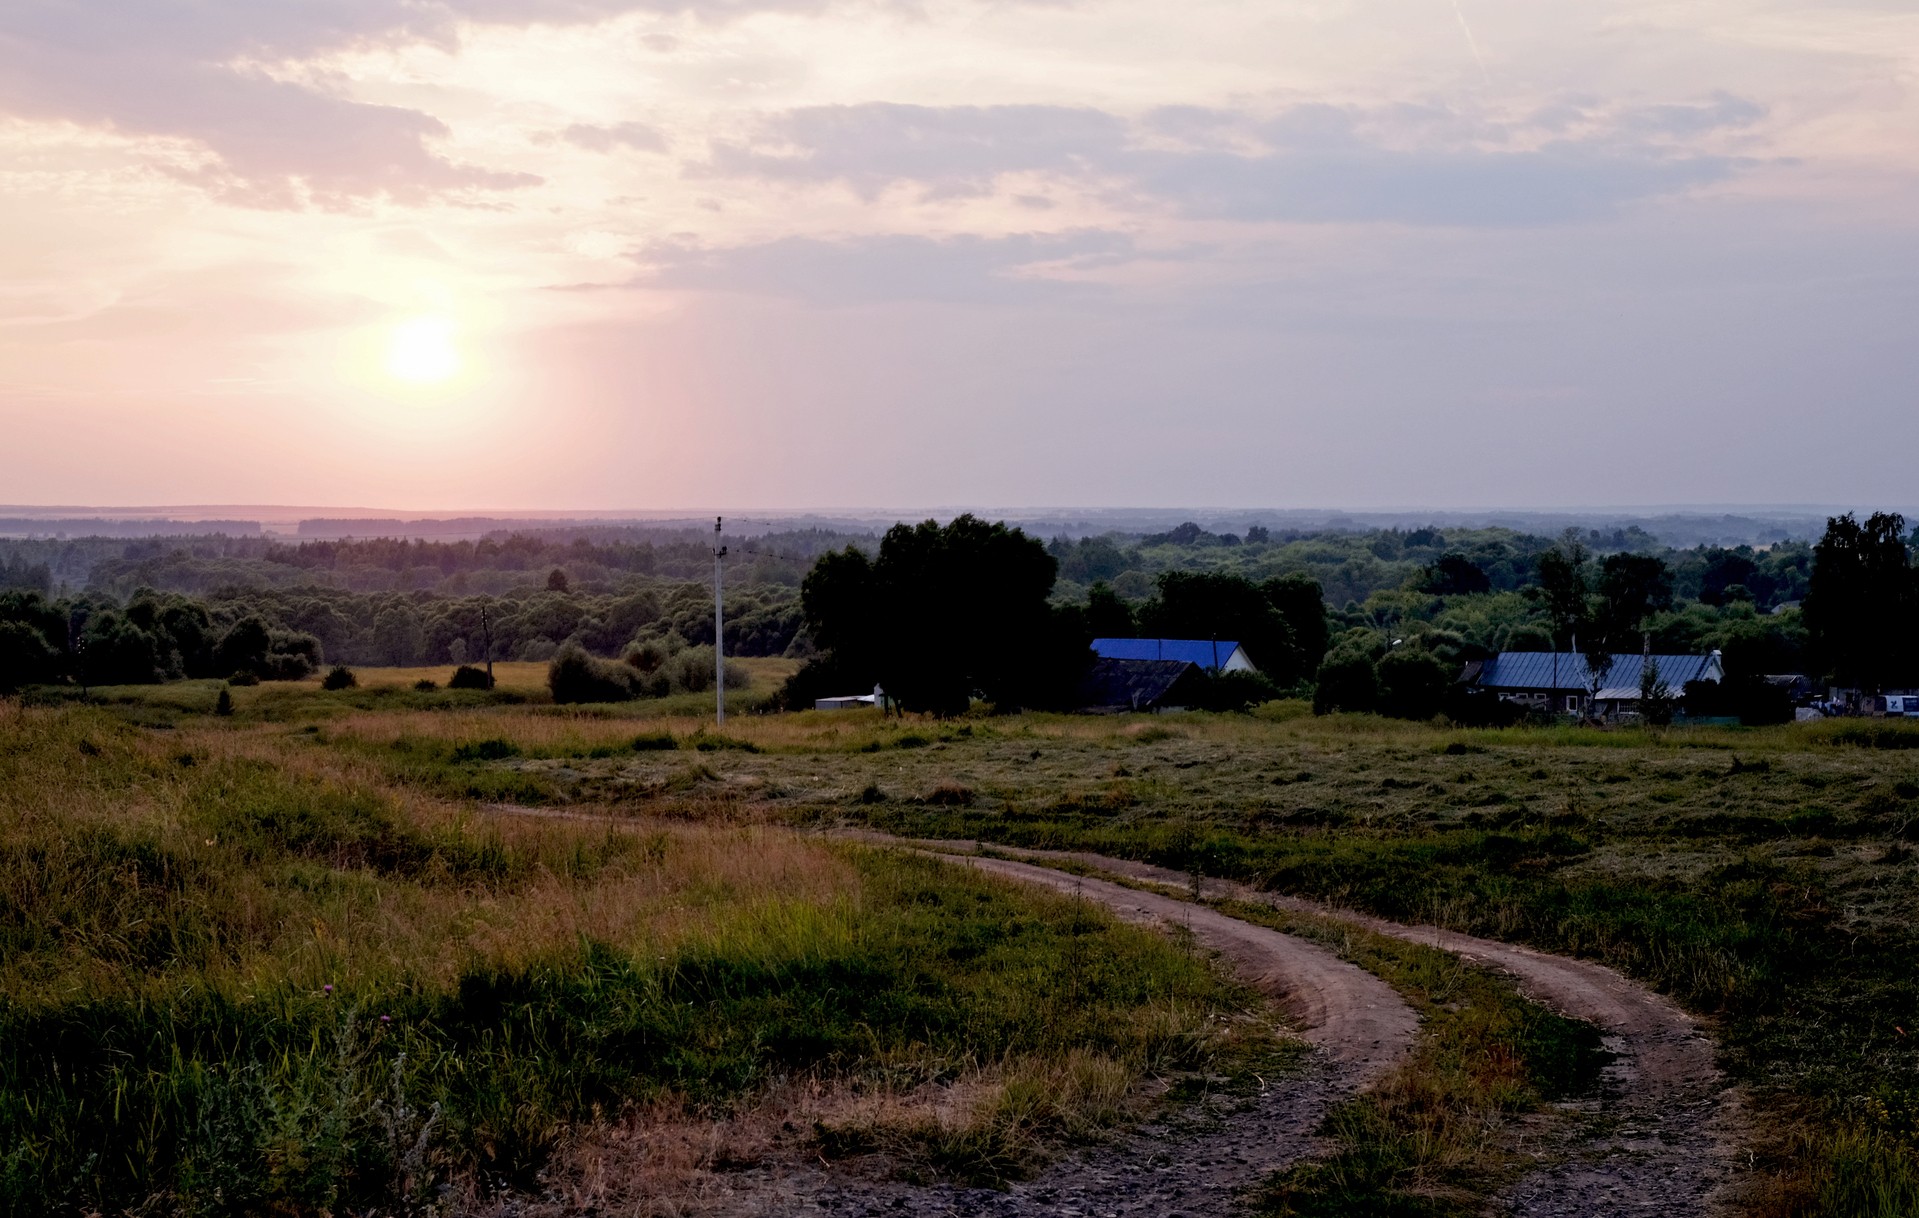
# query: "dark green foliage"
{"points": [[1454, 575], [25, 657], [1862, 603], [223, 704], [468, 677], [825, 676], [556, 580], [1413, 682], [1108, 616], [1631, 589], [339, 677], [947, 613], [1743, 696], [1214, 605], [1347, 681], [575, 676], [1236, 691]]}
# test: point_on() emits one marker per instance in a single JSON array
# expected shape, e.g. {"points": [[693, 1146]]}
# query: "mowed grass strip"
{"points": [[238, 974], [1435, 1138]]}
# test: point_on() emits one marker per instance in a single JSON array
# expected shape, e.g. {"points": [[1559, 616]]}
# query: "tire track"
{"points": [[1661, 1137]]}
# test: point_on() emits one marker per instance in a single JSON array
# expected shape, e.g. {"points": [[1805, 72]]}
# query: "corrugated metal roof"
{"points": [[1206, 653], [1535, 670], [1135, 684]]}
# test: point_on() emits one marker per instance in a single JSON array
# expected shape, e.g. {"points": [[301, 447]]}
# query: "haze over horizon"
{"points": [[620, 255]]}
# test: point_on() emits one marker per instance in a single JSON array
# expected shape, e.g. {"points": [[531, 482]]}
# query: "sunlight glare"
{"points": [[422, 350]]}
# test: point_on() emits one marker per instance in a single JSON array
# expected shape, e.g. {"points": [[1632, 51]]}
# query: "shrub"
{"points": [[1413, 683], [468, 677], [426, 685], [25, 657], [339, 677], [575, 676], [223, 705], [243, 677], [654, 742], [1235, 691], [1348, 681]]}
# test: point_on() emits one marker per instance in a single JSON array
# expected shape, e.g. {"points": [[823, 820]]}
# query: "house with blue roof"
{"points": [[1561, 683], [1211, 655]]}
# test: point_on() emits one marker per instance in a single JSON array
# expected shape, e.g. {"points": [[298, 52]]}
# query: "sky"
{"points": [[603, 254]]}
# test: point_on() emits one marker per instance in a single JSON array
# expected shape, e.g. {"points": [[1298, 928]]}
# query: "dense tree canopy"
{"points": [[1861, 607], [946, 613]]}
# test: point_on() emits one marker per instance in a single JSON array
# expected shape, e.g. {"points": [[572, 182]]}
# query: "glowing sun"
{"points": [[422, 350]]}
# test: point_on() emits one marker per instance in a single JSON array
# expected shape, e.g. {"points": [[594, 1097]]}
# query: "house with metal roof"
{"points": [[1212, 655], [1561, 683], [1116, 686]]}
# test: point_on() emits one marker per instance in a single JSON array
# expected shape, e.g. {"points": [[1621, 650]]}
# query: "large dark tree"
{"points": [[947, 613], [1302, 602], [1454, 575], [1216, 605], [1108, 616], [1631, 588], [1562, 580], [1859, 609]]}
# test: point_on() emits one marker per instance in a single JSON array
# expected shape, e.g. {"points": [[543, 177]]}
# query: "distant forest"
{"points": [[1455, 591]]}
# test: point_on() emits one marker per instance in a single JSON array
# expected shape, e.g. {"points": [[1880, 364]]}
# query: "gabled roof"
{"points": [[1137, 684], [1535, 670], [1207, 653]]}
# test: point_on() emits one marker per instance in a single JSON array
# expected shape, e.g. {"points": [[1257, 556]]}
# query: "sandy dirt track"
{"points": [[1660, 1138]]}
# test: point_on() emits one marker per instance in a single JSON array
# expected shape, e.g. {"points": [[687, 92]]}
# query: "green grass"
{"points": [[239, 974], [1767, 878], [1434, 1139]]}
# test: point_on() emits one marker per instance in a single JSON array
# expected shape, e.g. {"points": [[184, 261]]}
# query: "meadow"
{"points": [[244, 971], [180, 880]]}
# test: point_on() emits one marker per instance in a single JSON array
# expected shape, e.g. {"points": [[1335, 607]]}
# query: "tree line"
{"points": [[942, 614]]}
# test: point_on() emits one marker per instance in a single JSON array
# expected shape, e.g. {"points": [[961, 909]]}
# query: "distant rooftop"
{"points": [[1567, 670]]}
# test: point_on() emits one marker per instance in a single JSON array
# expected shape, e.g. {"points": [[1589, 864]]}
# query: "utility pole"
{"points": [[719, 628], [486, 629]]}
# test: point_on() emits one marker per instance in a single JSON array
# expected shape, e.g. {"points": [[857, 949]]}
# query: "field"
{"points": [[181, 889]]}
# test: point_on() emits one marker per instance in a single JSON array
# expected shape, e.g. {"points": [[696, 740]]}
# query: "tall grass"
{"points": [[239, 975]]}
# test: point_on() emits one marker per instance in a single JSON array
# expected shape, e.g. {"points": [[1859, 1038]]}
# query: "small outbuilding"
{"points": [[1212, 655], [1117, 686]]}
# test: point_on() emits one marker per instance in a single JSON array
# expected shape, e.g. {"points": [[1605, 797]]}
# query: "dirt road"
{"points": [[1661, 1136]]}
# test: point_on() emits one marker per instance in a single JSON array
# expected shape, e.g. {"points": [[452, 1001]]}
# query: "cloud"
{"points": [[619, 135], [190, 72], [948, 149], [1404, 164], [864, 270]]}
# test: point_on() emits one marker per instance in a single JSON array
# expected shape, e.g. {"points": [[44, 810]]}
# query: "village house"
{"points": [[1561, 683], [1117, 686], [1212, 655]]}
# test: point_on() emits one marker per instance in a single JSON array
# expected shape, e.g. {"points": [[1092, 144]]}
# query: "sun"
{"points": [[422, 350]]}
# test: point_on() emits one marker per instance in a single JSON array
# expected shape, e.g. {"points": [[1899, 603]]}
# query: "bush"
{"points": [[468, 677], [426, 685], [1235, 691], [339, 677], [575, 676], [223, 705], [243, 677], [1413, 683], [1348, 681], [25, 658]]}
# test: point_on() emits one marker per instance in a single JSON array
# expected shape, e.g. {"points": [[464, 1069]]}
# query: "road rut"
{"points": [[1662, 1134]]}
